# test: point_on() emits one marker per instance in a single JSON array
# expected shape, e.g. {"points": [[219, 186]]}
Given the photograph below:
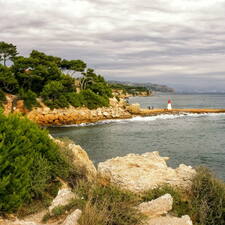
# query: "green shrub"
{"points": [[29, 161], [92, 100], [181, 206], [75, 99], [2, 97], [29, 97], [208, 199]]}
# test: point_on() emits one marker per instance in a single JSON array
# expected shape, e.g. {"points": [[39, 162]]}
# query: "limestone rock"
{"points": [[139, 173], [134, 108], [63, 197], [113, 102], [81, 160], [73, 218], [157, 207], [170, 220]]}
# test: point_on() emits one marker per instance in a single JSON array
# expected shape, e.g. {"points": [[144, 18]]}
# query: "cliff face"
{"points": [[47, 117], [71, 115]]}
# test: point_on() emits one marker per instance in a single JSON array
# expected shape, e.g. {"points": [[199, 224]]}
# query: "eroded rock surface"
{"points": [[139, 173], [159, 206], [80, 159], [170, 220]]}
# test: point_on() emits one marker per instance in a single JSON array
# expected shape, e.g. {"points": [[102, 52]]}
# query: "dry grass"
{"points": [[91, 215]]}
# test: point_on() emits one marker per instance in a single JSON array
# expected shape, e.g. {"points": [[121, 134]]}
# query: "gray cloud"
{"points": [[180, 43]]}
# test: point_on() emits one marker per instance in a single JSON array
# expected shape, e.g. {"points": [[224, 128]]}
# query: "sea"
{"points": [[191, 139]]}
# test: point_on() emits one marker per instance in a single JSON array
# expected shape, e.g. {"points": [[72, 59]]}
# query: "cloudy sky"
{"points": [[180, 43]]}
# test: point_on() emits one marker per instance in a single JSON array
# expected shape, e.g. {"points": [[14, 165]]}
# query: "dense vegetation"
{"points": [[51, 79], [147, 85], [30, 163], [130, 89]]}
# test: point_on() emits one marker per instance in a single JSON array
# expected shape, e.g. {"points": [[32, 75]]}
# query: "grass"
{"points": [[181, 205], [208, 199], [64, 210], [113, 205]]}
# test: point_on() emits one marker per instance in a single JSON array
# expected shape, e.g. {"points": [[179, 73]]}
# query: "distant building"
{"points": [[169, 106]]}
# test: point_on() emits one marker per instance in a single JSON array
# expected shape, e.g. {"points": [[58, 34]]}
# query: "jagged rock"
{"points": [[71, 115], [73, 218], [157, 207], [169, 220], [82, 161], [63, 197], [139, 173], [134, 108]]}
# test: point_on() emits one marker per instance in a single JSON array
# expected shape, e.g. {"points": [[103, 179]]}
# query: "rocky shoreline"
{"points": [[47, 117], [134, 172]]}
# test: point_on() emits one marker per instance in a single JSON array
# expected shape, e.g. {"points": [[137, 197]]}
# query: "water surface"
{"points": [[191, 139]]}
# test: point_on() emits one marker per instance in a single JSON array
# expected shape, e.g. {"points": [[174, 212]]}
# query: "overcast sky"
{"points": [[180, 43]]}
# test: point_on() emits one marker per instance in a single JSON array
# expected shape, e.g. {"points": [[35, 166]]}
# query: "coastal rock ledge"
{"points": [[139, 173]]}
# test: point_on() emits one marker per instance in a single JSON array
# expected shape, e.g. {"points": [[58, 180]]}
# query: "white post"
{"points": [[169, 106]]}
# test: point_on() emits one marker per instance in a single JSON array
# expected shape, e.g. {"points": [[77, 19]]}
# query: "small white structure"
{"points": [[169, 106]]}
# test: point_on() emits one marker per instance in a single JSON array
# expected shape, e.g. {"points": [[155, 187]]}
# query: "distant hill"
{"points": [[149, 86]]}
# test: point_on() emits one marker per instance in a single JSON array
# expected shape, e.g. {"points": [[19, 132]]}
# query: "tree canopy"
{"points": [[7, 52], [51, 78]]}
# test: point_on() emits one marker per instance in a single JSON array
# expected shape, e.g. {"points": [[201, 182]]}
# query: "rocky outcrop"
{"points": [[79, 158], [46, 117], [139, 173], [63, 197], [134, 109], [157, 207], [170, 220], [8, 106], [157, 212]]}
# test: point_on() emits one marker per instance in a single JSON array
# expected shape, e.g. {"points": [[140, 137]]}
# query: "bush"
{"points": [[208, 199], [75, 99], [30, 162], [92, 100], [2, 97], [29, 97]]}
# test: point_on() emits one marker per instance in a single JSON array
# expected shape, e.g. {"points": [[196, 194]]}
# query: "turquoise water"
{"points": [[189, 139]]}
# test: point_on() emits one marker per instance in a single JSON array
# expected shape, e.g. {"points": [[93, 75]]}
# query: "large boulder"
{"points": [[139, 173]]}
